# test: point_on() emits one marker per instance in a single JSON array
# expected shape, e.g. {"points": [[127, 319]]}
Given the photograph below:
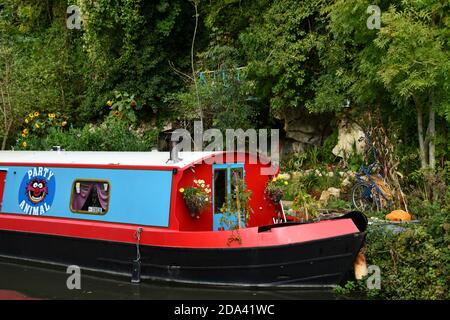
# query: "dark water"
{"points": [[43, 283]]}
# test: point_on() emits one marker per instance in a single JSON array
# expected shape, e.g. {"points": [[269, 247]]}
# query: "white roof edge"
{"points": [[125, 158]]}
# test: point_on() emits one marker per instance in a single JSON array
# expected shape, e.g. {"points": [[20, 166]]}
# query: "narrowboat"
{"points": [[124, 213]]}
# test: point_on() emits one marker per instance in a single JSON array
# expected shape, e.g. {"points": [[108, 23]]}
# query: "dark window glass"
{"points": [[220, 188]]}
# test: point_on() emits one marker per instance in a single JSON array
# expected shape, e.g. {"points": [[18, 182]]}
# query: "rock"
{"points": [[349, 135], [324, 198], [326, 195], [303, 129], [346, 182], [394, 229], [334, 192]]}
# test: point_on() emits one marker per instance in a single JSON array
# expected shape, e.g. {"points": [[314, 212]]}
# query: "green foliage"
{"points": [[305, 206], [123, 107], [36, 127], [414, 262], [237, 206], [112, 135], [222, 95], [281, 47], [326, 154], [351, 288], [294, 162], [413, 265], [339, 204]]}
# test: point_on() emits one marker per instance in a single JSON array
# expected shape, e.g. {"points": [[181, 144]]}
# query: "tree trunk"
{"points": [[422, 146], [431, 136]]}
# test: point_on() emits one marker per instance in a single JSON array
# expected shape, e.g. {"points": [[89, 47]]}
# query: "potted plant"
{"points": [[197, 197], [236, 211], [274, 189]]}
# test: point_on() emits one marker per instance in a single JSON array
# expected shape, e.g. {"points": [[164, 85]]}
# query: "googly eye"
{"points": [[35, 185], [41, 185]]}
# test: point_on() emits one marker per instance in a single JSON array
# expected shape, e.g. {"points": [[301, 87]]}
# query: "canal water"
{"points": [[42, 283]]}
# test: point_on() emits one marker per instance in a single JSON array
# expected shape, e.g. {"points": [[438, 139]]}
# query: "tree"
{"points": [[406, 61], [415, 66]]}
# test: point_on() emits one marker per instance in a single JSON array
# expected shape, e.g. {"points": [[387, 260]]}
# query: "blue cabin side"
{"points": [[140, 197]]}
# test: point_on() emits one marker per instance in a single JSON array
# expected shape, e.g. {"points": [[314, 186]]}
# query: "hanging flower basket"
{"points": [[274, 190], [197, 198]]}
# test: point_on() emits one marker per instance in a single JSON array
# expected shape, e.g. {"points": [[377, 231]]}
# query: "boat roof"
{"points": [[101, 158]]}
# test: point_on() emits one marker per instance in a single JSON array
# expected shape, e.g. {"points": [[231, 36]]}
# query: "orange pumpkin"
{"points": [[398, 215]]}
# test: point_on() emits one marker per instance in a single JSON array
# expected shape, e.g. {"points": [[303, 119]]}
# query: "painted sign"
{"points": [[37, 191]]}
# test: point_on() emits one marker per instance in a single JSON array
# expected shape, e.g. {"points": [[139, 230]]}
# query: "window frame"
{"points": [[89, 180]]}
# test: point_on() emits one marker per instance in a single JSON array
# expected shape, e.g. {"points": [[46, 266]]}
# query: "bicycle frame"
{"points": [[372, 183]]}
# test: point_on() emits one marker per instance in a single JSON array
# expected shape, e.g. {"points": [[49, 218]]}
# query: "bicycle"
{"points": [[371, 191]]}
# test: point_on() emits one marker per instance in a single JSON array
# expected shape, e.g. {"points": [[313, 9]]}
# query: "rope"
{"points": [[137, 235]]}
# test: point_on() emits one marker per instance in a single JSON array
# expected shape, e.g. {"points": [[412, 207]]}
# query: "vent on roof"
{"points": [[173, 154]]}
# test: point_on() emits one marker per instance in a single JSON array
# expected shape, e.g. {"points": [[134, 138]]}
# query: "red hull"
{"points": [[250, 237]]}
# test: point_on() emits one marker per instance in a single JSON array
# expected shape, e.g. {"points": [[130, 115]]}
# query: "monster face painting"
{"points": [[37, 191]]}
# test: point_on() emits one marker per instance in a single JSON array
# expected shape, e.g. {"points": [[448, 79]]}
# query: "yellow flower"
{"points": [[109, 103], [37, 125], [274, 179], [24, 144], [31, 115], [51, 115], [286, 183], [36, 114], [181, 190], [26, 120], [24, 135], [25, 131], [64, 123]]}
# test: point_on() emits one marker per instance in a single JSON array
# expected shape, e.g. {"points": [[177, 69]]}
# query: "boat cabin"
{"points": [[137, 188]]}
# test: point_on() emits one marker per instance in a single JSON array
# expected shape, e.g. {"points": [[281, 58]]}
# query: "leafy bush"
{"points": [[123, 107], [304, 206], [312, 182], [35, 128], [414, 263], [112, 135]]}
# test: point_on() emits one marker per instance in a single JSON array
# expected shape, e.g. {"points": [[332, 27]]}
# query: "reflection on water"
{"points": [[42, 283]]}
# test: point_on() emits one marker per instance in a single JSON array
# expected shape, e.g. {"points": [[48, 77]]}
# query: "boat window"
{"points": [[220, 188], [90, 196]]}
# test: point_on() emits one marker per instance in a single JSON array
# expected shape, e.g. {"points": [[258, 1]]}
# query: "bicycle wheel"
{"points": [[363, 197]]}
